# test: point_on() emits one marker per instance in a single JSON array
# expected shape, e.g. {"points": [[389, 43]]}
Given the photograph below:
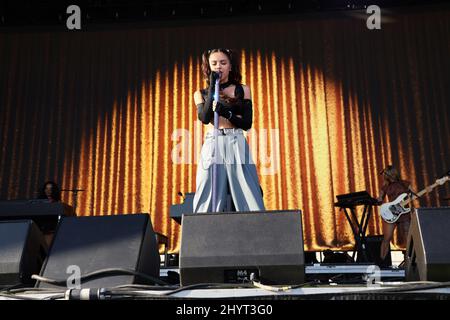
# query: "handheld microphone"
{"points": [[217, 75], [217, 86]]}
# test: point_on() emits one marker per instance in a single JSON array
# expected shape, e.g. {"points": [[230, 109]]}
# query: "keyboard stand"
{"points": [[359, 228]]}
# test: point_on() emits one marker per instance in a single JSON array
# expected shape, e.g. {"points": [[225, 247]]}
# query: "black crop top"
{"points": [[241, 106]]}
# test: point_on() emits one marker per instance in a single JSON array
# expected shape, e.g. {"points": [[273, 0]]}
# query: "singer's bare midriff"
{"points": [[224, 123]]}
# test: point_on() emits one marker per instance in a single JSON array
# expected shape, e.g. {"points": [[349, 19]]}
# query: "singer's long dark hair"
{"points": [[56, 192], [234, 77]]}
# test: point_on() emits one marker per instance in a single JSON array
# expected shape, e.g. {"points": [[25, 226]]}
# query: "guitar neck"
{"points": [[421, 193], [425, 191]]}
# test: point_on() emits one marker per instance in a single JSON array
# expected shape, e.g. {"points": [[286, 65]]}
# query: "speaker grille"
{"points": [[428, 247], [213, 243], [22, 251], [103, 242]]}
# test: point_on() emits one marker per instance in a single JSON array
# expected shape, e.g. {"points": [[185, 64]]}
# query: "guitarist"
{"points": [[393, 186]]}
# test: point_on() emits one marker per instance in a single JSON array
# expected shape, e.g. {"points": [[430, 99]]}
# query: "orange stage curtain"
{"points": [[112, 112]]}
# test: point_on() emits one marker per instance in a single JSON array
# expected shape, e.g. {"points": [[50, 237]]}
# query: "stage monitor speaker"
{"points": [[428, 246], [229, 247], [103, 242], [22, 252], [373, 248]]}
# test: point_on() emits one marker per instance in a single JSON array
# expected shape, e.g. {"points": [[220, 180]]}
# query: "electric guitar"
{"points": [[392, 211]]}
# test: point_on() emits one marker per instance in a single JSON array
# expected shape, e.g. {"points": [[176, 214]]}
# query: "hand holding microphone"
{"points": [[214, 80], [215, 75], [224, 110]]}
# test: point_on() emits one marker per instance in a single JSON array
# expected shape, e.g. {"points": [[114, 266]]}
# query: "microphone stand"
{"points": [[216, 146], [74, 194]]}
